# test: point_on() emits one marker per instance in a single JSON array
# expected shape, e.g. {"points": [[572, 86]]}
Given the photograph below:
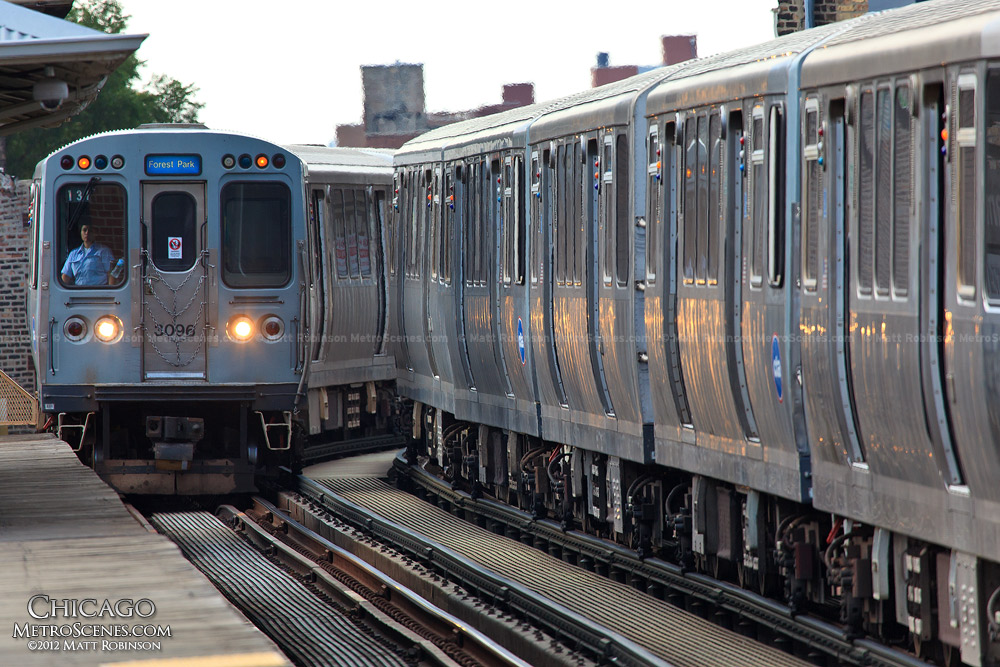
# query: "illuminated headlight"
{"points": [[240, 328], [108, 329], [75, 328], [272, 327]]}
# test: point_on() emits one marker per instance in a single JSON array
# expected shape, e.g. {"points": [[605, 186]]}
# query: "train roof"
{"points": [[348, 165], [919, 36]]}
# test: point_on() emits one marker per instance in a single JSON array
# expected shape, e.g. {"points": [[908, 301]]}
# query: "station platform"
{"points": [[83, 582]]}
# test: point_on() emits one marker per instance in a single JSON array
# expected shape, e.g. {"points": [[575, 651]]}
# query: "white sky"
{"points": [[290, 71]]}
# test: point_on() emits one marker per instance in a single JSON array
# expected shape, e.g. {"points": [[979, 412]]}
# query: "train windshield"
{"points": [[256, 234], [90, 224]]}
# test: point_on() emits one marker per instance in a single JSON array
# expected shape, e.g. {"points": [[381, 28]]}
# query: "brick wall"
{"points": [[792, 14], [15, 346]]}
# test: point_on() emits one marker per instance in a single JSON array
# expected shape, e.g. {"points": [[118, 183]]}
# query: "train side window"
{"points": [[34, 229], [507, 222], [339, 232], [965, 141], [902, 189], [775, 204], [622, 219], [690, 198], [519, 220], [392, 225], [883, 191], [575, 214], [654, 188], [758, 198], [991, 188], [317, 202], [256, 234], [468, 220], [433, 223], [866, 192], [101, 207], [559, 226], [447, 238]]}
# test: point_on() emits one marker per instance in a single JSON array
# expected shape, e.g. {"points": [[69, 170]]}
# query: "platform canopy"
{"points": [[51, 69]]}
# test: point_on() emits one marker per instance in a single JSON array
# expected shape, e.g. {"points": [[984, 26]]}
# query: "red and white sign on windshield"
{"points": [[174, 247]]}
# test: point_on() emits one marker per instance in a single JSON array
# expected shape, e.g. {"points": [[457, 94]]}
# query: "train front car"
{"points": [[166, 305]]}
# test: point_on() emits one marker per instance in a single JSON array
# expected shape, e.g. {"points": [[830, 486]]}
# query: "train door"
{"points": [[592, 275], [174, 293], [497, 230], [460, 181]]}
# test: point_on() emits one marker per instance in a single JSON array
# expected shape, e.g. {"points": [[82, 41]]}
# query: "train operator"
{"points": [[89, 263]]}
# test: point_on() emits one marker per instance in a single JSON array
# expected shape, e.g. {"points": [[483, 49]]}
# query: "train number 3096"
{"points": [[176, 330]]}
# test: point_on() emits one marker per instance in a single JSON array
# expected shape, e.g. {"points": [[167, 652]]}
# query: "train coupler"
{"points": [[174, 438]]}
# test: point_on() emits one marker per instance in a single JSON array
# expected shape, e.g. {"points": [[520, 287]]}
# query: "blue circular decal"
{"points": [[776, 365], [520, 340]]}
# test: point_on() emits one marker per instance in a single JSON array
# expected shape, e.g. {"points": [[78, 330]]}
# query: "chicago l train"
{"points": [[179, 288], [746, 308]]}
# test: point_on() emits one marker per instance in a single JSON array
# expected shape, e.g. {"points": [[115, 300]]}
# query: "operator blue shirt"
{"points": [[89, 266]]}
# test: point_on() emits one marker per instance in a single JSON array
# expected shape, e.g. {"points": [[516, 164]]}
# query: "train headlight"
{"points": [[108, 329], [75, 328], [271, 327], [240, 328]]}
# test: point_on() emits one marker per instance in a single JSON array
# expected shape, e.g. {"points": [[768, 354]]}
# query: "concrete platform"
{"points": [[82, 582]]}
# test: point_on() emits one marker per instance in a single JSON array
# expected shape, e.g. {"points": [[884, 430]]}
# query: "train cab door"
{"points": [[174, 290]]}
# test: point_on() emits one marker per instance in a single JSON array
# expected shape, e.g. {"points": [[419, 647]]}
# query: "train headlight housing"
{"points": [[240, 328], [108, 329], [271, 327], [75, 328]]}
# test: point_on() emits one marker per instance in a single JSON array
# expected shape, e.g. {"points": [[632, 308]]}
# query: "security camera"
{"points": [[50, 93]]}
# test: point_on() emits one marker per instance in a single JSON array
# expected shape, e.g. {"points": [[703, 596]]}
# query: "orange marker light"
{"points": [[944, 136], [262, 161], [83, 162]]}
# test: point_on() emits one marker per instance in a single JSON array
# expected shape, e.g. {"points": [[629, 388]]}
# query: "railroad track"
{"points": [[337, 610], [814, 638], [608, 621]]}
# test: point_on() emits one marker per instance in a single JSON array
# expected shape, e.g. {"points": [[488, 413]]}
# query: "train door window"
{"points": [[991, 188], [775, 204], [391, 226], [813, 195], [701, 259], [716, 192], [536, 217], [623, 223], [519, 222], [883, 190], [100, 207], [339, 232], [758, 189], [364, 208], [468, 228], [447, 238], [506, 222], [34, 229], [654, 188], [256, 234], [174, 216], [965, 140], [354, 207], [690, 198], [560, 216], [432, 223], [866, 192], [575, 214], [902, 189], [316, 205], [604, 178]]}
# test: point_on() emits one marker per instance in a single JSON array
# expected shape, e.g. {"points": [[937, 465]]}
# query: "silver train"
{"points": [[181, 292], [744, 311]]}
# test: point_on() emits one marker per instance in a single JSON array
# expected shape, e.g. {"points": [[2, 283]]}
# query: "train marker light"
{"points": [[240, 328], [75, 328], [272, 327], [108, 329], [228, 161], [278, 161], [262, 161], [83, 162], [117, 162], [101, 162], [66, 162], [246, 161]]}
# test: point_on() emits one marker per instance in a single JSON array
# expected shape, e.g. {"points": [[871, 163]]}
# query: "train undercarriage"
{"points": [[940, 605]]}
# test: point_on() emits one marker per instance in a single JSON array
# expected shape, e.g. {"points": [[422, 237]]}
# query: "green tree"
{"points": [[120, 105]]}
